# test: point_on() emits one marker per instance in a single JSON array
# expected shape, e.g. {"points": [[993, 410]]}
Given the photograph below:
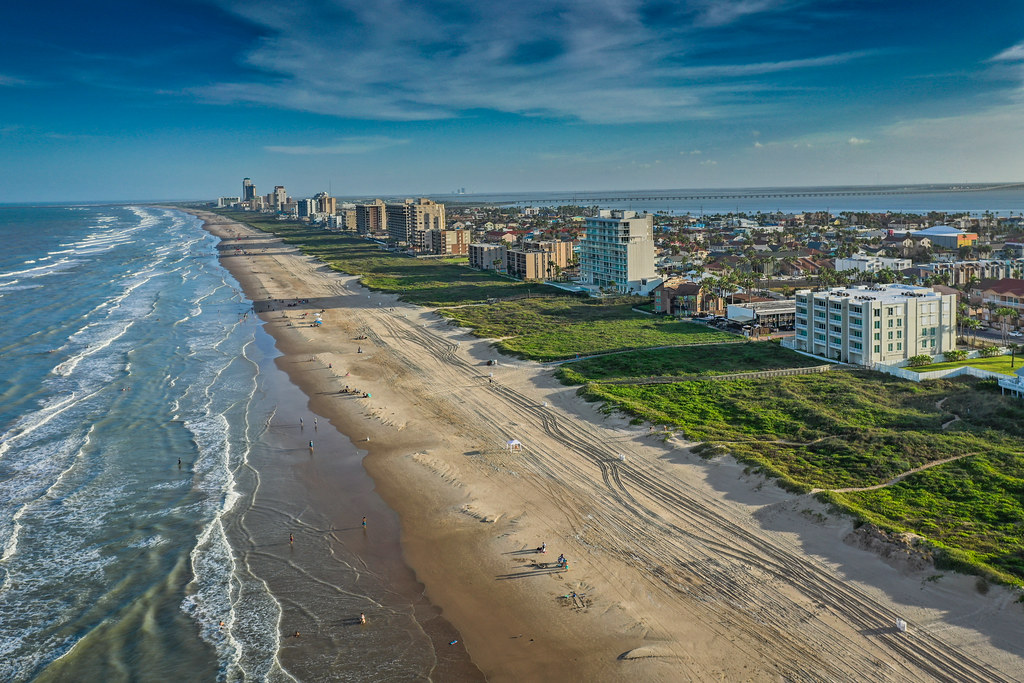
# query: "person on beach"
{"points": [[362, 618], [291, 539], [310, 445], [364, 522]]}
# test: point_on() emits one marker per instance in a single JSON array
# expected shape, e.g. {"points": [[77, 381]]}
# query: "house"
{"points": [[683, 298], [1005, 293]]}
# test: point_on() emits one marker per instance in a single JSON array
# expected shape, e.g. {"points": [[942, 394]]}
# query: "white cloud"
{"points": [[604, 62], [709, 162], [352, 145], [758, 144], [10, 81], [858, 141], [1010, 54]]}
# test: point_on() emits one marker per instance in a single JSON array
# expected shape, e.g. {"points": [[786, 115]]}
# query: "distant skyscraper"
{"points": [[248, 190], [280, 196]]}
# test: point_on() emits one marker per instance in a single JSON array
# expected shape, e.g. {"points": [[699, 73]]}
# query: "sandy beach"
{"points": [[678, 568]]}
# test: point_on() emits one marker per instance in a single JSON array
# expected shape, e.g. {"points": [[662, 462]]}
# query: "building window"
{"points": [[878, 348], [878, 324], [878, 336], [899, 346], [890, 335], [890, 347]]}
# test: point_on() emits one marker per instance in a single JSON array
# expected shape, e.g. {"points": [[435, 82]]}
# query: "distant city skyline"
{"points": [[125, 101]]}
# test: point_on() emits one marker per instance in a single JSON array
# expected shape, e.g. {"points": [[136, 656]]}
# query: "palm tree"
{"points": [[1004, 313], [973, 324]]}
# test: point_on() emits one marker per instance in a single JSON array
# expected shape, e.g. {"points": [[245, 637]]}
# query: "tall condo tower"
{"points": [[248, 190]]}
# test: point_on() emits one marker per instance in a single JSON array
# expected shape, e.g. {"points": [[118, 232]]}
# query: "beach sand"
{"points": [[679, 569]]}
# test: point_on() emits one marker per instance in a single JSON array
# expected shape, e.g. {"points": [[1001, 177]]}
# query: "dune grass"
{"points": [[852, 429], [716, 359]]}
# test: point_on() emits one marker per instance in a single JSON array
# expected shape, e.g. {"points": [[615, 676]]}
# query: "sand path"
{"points": [[689, 570]]}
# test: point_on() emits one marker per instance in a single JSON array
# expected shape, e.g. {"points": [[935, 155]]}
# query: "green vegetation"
{"points": [[852, 429], [555, 328], [717, 359], [546, 323], [973, 508], [428, 282], [1000, 364]]}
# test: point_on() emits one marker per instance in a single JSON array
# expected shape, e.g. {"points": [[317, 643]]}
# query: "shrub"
{"points": [[990, 351], [919, 361], [955, 355]]}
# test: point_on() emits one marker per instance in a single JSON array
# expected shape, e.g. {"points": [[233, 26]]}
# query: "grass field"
{"points": [[550, 325], [718, 359], [1005, 365], [428, 282], [848, 429], [557, 328]]}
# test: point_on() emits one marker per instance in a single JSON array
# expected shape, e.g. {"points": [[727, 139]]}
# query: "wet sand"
{"points": [[678, 569]]}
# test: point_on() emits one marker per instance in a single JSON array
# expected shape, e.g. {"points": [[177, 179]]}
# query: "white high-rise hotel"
{"points": [[875, 324], [618, 250]]}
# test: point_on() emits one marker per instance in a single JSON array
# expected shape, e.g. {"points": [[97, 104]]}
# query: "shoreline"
{"points": [[680, 568]]}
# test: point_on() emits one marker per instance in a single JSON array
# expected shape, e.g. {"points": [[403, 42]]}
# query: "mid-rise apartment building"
{"points": [[454, 242], [863, 263], [539, 260], [864, 325], [618, 250], [488, 256], [248, 190]]}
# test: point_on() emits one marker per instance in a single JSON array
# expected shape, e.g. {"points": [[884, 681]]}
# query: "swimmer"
{"points": [[362, 618]]}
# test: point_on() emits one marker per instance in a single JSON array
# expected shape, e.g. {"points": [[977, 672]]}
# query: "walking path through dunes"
{"points": [[679, 573]]}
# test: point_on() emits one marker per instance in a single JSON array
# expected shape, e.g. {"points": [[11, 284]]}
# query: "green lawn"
{"points": [[858, 428], [718, 359], [554, 328], [1000, 364]]}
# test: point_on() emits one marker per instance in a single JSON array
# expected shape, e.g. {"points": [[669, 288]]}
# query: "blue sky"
{"points": [[113, 100]]}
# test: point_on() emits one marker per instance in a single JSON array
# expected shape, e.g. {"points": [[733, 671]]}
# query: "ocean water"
{"points": [[150, 475]]}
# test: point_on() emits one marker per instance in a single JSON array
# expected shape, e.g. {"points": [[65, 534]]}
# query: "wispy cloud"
{"points": [[351, 145], [1010, 54], [611, 61], [11, 81], [858, 141]]}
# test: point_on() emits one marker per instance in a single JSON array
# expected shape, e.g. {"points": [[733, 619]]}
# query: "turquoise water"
{"points": [[141, 537]]}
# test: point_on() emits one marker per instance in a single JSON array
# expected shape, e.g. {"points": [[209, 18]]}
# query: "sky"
{"points": [[181, 99]]}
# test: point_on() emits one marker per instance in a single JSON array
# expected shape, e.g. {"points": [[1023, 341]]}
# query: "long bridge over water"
{"points": [[673, 195]]}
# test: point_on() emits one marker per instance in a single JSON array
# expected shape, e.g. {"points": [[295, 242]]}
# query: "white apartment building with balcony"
{"points": [[618, 250], [864, 325], [872, 264]]}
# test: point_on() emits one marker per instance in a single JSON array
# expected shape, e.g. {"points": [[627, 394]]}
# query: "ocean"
{"points": [[153, 465]]}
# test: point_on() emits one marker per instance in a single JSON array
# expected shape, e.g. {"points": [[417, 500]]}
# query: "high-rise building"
{"points": [[280, 197], [409, 221], [248, 190], [371, 218], [326, 203], [618, 250]]}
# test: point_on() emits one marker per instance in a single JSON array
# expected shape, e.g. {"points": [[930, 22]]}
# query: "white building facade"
{"points": [[875, 324], [863, 263], [618, 251]]}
